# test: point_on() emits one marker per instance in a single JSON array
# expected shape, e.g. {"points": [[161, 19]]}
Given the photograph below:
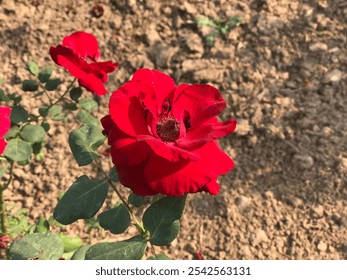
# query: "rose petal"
{"points": [[93, 84], [5, 122], [3, 145], [100, 69], [206, 132], [128, 152], [176, 179], [201, 101], [79, 68], [127, 112], [167, 151], [133, 178], [83, 44], [159, 88], [212, 187]]}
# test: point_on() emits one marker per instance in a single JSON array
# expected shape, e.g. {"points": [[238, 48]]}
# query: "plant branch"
{"points": [[63, 95], [3, 216], [139, 224]]}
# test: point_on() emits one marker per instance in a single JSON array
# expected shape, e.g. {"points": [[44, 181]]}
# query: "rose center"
{"points": [[168, 129]]}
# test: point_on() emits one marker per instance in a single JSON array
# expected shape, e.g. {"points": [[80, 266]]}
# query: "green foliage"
{"points": [[219, 26], [116, 220], [32, 67], [80, 254], [18, 223], [162, 219], [12, 133], [44, 246], [42, 226], [86, 118], [159, 257], [30, 85], [131, 249], [113, 175], [45, 74], [136, 200], [19, 115], [52, 84], [3, 170], [75, 93], [18, 150], [43, 111], [71, 243], [33, 133], [83, 143], [56, 112], [88, 104], [81, 201], [3, 96]]}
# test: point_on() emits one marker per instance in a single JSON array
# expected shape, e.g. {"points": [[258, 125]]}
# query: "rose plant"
{"points": [[163, 142]]}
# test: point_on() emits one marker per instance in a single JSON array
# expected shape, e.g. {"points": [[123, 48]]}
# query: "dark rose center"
{"points": [[168, 129]]}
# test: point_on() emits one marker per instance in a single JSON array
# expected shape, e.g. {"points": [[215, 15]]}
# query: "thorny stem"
{"points": [[63, 95], [139, 224], [3, 216]]}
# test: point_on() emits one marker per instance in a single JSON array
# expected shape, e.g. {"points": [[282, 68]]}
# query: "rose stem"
{"points": [[2, 201], [139, 225], [63, 95]]}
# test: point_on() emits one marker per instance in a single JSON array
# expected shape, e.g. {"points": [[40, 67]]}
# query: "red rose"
{"points": [[78, 54], [163, 137], [5, 124]]}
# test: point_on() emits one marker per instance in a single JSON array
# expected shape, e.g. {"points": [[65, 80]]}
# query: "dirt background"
{"points": [[283, 74]]}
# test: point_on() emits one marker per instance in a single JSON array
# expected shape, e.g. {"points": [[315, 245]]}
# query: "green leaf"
{"points": [[55, 110], [159, 257], [3, 170], [113, 175], [45, 74], [210, 39], [83, 143], [33, 133], [37, 147], [86, 118], [116, 220], [75, 93], [165, 233], [32, 67], [80, 254], [88, 104], [42, 225], [234, 21], [136, 200], [162, 219], [71, 106], [40, 93], [206, 21], [46, 126], [12, 132], [30, 85], [71, 243], [3, 96], [43, 111], [18, 150], [52, 84], [44, 246], [131, 249], [81, 201], [23, 162], [18, 115]]}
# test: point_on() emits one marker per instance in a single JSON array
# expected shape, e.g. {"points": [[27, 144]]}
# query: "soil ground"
{"points": [[283, 72]]}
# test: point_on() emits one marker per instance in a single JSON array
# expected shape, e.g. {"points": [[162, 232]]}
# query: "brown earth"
{"points": [[283, 74]]}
